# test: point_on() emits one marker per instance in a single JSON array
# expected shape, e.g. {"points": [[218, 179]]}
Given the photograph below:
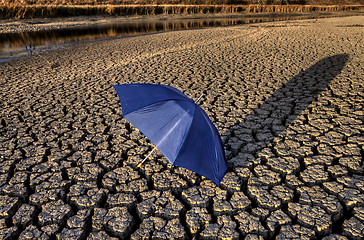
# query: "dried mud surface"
{"points": [[287, 98]]}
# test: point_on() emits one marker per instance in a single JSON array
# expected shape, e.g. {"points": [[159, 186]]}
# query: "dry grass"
{"points": [[17, 10], [178, 2]]}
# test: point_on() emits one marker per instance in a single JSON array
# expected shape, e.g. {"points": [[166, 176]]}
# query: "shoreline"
{"points": [[43, 24]]}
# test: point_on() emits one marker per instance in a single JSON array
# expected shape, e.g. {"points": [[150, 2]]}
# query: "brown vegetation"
{"points": [[122, 10], [63, 8], [177, 2]]}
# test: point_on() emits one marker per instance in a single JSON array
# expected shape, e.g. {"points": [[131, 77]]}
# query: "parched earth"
{"points": [[287, 98]]}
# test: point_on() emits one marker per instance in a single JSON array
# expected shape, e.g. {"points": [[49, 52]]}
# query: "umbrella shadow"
{"points": [[259, 128]]}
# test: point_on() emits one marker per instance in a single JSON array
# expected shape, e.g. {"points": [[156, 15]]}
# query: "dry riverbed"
{"points": [[287, 98]]}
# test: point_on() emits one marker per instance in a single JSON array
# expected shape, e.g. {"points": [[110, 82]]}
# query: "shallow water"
{"points": [[18, 45]]}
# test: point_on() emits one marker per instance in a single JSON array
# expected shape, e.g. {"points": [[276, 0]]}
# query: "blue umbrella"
{"points": [[176, 125]]}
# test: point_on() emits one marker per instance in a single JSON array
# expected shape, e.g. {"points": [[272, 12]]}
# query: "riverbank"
{"points": [[287, 98], [42, 24]]}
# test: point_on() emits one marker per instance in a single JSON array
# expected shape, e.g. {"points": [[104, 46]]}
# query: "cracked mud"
{"points": [[286, 97]]}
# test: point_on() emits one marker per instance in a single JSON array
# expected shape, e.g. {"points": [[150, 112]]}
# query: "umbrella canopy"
{"points": [[177, 126]]}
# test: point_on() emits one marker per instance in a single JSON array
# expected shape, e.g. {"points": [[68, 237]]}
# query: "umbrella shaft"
{"points": [[198, 99], [149, 155]]}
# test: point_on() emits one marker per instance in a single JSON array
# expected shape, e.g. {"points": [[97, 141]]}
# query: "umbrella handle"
{"points": [[141, 163]]}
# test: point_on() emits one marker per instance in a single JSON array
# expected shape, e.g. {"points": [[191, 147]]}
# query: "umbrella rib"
{"points": [[145, 159]]}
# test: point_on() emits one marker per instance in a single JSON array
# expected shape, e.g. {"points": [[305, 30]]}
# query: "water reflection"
{"points": [[15, 45]]}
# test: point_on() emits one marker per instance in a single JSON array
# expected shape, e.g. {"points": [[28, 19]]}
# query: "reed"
{"points": [[178, 2], [33, 11]]}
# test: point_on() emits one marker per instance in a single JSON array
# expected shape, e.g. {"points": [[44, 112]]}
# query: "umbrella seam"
{"points": [[216, 155], [188, 133], [167, 100]]}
